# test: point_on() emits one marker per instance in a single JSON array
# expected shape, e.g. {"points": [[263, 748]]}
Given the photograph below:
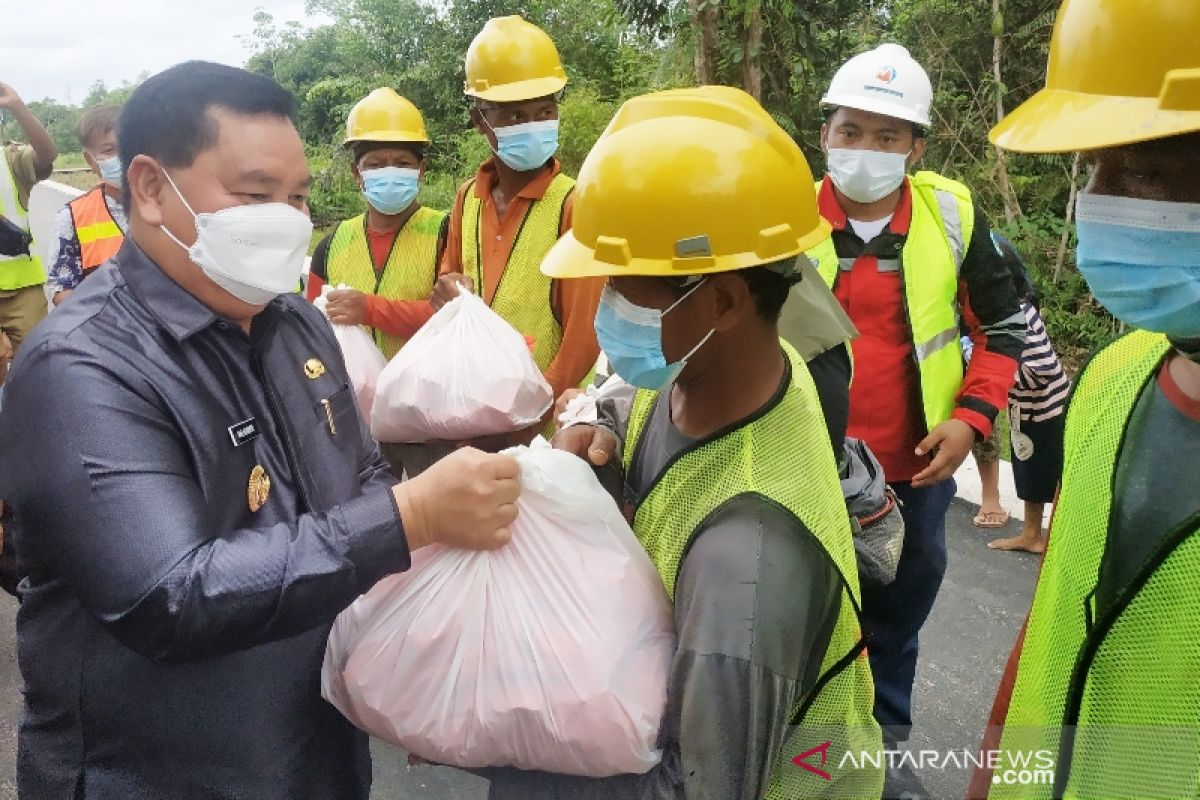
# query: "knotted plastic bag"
{"points": [[551, 653], [363, 360], [466, 373]]}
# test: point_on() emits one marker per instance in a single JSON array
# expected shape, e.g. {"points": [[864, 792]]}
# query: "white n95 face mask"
{"points": [[866, 175], [254, 252]]}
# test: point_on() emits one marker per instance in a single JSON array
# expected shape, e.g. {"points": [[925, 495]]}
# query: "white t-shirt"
{"points": [[869, 230]]}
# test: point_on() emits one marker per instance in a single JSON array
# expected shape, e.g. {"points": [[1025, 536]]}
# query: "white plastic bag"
{"points": [[466, 373], [551, 653], [363, 360]]}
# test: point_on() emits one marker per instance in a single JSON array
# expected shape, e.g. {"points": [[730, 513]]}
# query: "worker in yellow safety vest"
{"points": [[731, 481], [910, 260], [388, 256], [1101, 698], [506, 218], [22, 276], [90, 229]]}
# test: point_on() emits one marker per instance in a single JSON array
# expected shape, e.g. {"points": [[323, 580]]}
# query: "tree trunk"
{"points": [[1067, 217], [1012, 207], [751, 50], [704, 28]]}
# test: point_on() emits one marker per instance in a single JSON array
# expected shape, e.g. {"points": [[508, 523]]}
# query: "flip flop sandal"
{"points": [[991, 519]]}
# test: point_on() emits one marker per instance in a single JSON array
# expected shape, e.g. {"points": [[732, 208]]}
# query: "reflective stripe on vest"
{"points": [[16, 272], [943, 219], [1126, 676], [410, 271], [99, 235], [760, 458], [524, 295]]}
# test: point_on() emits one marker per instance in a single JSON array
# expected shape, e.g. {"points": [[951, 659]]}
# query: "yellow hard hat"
{"points": [[384, 116], [1120, 72], [512, 60], [688, 182]]}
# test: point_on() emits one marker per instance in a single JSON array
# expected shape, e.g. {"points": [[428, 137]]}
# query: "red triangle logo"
{"points": [[802, 760]]}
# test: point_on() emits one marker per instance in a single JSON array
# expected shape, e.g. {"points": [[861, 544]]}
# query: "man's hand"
{"points": [[467, 500], [6, 354], [953, 440], [44, 151], [347, 307], [446, 288], [9, 99], [592, 443]]}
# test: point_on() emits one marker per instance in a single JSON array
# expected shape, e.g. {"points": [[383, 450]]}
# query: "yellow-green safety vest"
{"points": [[524, 295], [784, 456], [1109, 697], [409, 273], [16, 272], [943, 218]]}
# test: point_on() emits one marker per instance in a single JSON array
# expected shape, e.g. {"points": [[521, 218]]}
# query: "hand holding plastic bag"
{"points": [[363, 360], [466, 374], [551, 653]]}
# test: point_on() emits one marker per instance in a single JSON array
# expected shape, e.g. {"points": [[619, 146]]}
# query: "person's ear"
{"points": [[731, 301], [825, 137], [918, 150], [91, 162], [357, 173], [421, 171], [147, 188]]}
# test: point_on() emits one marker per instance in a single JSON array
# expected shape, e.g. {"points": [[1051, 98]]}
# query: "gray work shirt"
{"points": [[170, 635], [755, 604], [1149, 502]]}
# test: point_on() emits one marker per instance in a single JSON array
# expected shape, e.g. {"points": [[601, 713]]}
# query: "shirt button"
{"points": [[223, 325], [499, 237]]}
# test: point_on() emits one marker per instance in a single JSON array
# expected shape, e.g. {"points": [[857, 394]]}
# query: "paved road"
{"points": [[982, 603]]}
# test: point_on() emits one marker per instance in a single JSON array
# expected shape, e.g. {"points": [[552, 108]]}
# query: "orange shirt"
{"points": [[574, 301]]}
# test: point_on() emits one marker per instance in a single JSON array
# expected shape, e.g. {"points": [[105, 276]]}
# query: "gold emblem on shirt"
{"points": [[313, 369], [258, 488]]}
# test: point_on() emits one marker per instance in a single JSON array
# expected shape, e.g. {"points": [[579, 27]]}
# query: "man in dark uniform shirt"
{"points": [[193, 492]]}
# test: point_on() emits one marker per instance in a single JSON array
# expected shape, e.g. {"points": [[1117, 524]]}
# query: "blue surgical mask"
{"points": [[390, 190], [527, 146], [110, 171], [631, 338], [1141, 259]]}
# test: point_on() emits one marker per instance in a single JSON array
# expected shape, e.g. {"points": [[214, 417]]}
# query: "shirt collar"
{"points": [[831, 209], [181, 314], [534, 190]]}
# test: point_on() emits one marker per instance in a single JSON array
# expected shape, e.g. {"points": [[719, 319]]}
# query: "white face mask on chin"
{"points": [[866, 175], [254, 252]]}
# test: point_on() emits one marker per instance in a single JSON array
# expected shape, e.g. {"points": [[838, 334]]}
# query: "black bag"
{"points": [[14, 241]]}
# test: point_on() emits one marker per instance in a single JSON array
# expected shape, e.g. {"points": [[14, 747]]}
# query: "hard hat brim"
{"points": [[519, 91], [571, 258], [405, 137], [1061, 121], [874, 106]]}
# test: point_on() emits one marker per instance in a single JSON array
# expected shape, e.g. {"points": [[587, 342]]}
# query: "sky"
{"points": [[59, 48]]}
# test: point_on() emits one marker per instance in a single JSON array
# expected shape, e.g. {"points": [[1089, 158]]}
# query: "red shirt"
{"points": [[885, 408]]}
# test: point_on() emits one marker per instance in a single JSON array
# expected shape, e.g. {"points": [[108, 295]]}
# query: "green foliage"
{"points": [[615, 49], [62, 120], [1077, 324]]}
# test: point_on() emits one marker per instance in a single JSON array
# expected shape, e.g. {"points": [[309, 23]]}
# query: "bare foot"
{"points": [[1032, 544]]}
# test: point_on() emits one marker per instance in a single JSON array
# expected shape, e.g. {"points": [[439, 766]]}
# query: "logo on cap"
{"points": [[886, 74]]}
